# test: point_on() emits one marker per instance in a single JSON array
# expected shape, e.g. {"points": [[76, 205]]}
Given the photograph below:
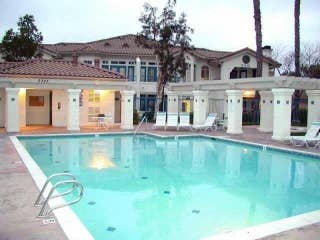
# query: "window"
{"points": [[36, 101], [204, 73], [94, 96], [243, 73], [89, 62], [143, 74], [131, 73], [118, 69], [152, 74], [92, 113], [105, 64]]}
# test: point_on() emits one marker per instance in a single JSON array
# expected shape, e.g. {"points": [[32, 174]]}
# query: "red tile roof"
{"points": [[4, 65], [126, 45], [208, 54], [57, 68], [121, 45]]}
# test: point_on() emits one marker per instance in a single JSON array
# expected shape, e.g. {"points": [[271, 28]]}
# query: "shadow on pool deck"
{"points": [[18, 191]]}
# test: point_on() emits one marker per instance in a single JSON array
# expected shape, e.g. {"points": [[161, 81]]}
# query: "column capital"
{"points": [[282, 91], [73, 91], [13, 90], [127, 92], [200, 93], [172, 93], [234, 92], [266, 94], [313, 93]]}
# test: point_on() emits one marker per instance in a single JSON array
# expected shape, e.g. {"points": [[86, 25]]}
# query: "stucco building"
{"points": [[139, 65]]}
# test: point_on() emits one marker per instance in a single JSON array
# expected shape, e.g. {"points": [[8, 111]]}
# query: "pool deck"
{"points": [[18, 192]]}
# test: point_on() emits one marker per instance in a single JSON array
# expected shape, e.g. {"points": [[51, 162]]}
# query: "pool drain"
{"points": [[111, 229]]}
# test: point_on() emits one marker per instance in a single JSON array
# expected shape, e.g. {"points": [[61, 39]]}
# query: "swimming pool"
{"points": [[145, 187]]}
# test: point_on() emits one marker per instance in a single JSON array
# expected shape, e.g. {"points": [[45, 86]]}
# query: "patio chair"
{"points": [[209, 124], [160, 120], [172, 120], [184, 121], [310, 139]]}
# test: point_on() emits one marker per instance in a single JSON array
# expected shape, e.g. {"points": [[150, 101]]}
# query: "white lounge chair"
{"points": [[172, 120], [184, 120], [160, 120], [209, 123], [310, 139]]}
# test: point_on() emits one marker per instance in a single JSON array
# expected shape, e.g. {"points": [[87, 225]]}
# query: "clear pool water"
{"points": [[143, 187]]}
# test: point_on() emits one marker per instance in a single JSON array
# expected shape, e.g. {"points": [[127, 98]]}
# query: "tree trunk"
{"points": [[160, 91], [297, 38], [257, 26]]}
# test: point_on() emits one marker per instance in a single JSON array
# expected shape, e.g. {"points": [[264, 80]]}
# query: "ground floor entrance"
{"points": [[50, 107]]}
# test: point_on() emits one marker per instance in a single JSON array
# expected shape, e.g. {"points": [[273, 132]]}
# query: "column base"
{"points": [[280, 138], [266, 130], [73, 129], [127, 127], [12, 130], [235, 131]]}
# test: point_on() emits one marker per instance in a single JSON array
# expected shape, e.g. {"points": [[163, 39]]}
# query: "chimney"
{"points": [[97, 62], [74, 59], [267, 51]]}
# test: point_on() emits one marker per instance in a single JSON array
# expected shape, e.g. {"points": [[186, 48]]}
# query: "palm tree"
{"points": [[297, 37], [257, 26]]}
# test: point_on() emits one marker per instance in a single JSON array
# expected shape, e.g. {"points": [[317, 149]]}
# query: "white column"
{"points": [[313, 106], [282, 98], [73, 111], [192, 70], [137, 101], [2, 107], [127, 109], [173, 102], [266, 111], [200, 107], [138, 69], [22, 107], [234, 111], [12, 110]]}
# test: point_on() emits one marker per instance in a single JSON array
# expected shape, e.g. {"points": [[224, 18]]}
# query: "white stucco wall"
{"points": [[22, 107], [59, 108], [2, 107], [38, 114], [236, 61], [214, 71]]}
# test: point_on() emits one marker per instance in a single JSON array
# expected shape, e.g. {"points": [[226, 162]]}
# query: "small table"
{"points": [[102, 121]]}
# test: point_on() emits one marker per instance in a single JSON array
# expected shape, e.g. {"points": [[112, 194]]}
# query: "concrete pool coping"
{"points": [[73, 227]]}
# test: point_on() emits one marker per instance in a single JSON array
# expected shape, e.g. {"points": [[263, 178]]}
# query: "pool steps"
{"points": [[71, 181]]}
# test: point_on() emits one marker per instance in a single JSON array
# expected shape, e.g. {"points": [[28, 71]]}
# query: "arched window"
{"points": [[204, 73]]}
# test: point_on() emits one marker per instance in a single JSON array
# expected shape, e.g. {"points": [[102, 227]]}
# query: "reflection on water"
{"points": [[144, 186]]}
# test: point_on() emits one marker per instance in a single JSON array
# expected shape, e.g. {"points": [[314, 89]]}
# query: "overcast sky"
{"points": [[218, 24]]}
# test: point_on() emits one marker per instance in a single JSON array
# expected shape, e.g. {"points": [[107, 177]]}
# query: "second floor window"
{"points": [[89, 62], [204, 73]]}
